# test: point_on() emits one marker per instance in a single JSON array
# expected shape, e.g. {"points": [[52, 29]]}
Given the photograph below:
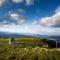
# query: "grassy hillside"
{"points": [[26, 48], [26, 41], [15, 52]]}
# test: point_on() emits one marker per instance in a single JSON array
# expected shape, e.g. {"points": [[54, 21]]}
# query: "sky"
{"points": [[30, 16]]}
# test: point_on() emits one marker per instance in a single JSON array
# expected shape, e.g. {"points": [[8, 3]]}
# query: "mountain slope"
{"points": [[5, 34]]}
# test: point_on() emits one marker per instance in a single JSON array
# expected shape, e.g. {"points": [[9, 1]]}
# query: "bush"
{"points": [[14, 52]]}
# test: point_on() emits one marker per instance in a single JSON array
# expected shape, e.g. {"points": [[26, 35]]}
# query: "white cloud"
{"points": [[30, 29], [17, 17], [44, 25], [48, 25], [7, 28], [12, 22], [29, 2], [2, 2], [52, 21], [18, 1], [47, 30], [58, 9]]}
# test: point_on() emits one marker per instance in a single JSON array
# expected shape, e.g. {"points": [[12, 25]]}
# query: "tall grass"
{"points": [[15, 52]]}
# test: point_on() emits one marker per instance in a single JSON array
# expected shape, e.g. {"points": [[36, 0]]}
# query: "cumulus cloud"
{"points": [[47, 30], [52, 21], [58, 9], [2, 2], [15, 17], [18, 1], [48, 25], [29, 29], [12, 21], [7, 28], [19, 19], [29, 2], [44, 25]]}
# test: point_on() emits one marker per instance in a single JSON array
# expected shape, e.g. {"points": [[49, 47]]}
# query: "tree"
{"points": [[12, 41]]}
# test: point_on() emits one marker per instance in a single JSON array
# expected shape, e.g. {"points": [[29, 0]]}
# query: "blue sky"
{"points": [[30, 16]]}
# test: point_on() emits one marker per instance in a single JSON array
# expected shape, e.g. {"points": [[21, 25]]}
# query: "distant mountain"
{"points": [[6, 34], [52, 41], [54, 37], [36, 35]]}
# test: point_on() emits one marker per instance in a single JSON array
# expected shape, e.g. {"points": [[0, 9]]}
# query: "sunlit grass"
{"points": [[26, 49]]}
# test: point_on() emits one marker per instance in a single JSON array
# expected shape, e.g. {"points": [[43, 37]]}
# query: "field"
{"points": [[23, 41], [26, 49]]}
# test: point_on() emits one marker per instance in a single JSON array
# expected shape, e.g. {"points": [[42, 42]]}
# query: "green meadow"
{"points": [[26, 48]]}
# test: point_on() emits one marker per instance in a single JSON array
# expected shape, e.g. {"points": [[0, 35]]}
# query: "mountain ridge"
{"points": [[5, 34]]}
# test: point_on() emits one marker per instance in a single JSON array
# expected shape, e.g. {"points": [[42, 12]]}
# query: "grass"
{"points": [[25, 49], [24, 41], [15, 52]]}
